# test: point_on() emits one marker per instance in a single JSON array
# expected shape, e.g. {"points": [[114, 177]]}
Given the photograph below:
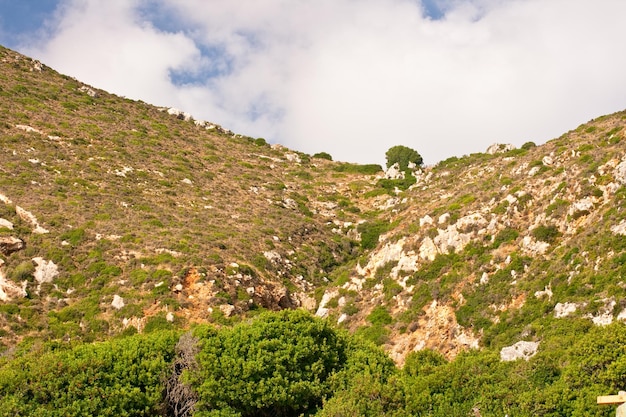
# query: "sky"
{"points": [[348, 77]]}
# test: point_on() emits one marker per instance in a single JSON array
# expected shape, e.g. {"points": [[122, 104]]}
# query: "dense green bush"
{"points": [[323, 155], [277, 366], [370, 232], [367, 169], [546, 233], [121, 377], [293, 364], [504, 236]]}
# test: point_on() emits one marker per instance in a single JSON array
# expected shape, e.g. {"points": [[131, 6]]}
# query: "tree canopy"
{"points": [[403, 155]]}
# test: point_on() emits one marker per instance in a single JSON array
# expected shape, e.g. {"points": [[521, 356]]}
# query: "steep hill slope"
{"points": [[489, 248], [117, 216], [115, 211]]}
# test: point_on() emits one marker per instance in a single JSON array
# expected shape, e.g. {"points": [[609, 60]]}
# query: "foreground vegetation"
{"points": [[292, 364]]}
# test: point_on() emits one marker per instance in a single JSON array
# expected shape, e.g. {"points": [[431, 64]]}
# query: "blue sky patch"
{"points": [[20, 18]]}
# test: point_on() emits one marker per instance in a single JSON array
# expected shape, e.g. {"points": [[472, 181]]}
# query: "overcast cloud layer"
{"points": [[354, 78]]}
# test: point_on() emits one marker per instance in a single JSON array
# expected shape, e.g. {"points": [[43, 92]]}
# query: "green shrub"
{"points": [[379, 316], [260, 142], [74, 236], [370, 232], [121, 377], [402, 184], [504, 236], [278, 365], [546, 233], [323, 155], [23, 272], [369, 169]]}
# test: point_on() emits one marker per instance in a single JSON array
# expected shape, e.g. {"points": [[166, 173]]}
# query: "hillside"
{"points": [[119, 217]]}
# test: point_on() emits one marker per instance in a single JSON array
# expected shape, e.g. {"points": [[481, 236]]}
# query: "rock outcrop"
{"points": [[11, 244]]}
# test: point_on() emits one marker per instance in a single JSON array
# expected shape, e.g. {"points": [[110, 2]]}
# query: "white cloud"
{"points": [[355, 77]]}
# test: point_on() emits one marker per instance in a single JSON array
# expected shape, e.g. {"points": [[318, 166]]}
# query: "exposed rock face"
{"points": [[179, 114], [322, 310], [394, 172], [620, 228], [11, 244], [499, 148], [564, 309], [28, 129], [388, 253], [8, 289], [30, 218], [581, 207], [520, 350], [45, 271], [437, 329], [533, 247], [227, 309], [620, 172], [605, 313], [6, 224], [428, 249]]}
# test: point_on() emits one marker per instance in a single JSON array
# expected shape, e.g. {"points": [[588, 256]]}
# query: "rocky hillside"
{"points": [[117, 216]]}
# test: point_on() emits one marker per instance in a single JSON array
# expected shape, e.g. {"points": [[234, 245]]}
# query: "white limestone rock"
{"points": [[118, 302], [428, 249], [10, 290], [394, 172], [426, 220], [604, 317], [620, 172], [45, 271], [581, 207], [28, 129], [534, 247], [620, 228], [30, 218], [322, 310], [520, 350], [565, 309], [4, 223], [179, 114], [499, 148], [227, 309]]}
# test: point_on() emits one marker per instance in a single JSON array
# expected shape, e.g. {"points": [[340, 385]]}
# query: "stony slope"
{"points": [[490, 247], [117, 215]]}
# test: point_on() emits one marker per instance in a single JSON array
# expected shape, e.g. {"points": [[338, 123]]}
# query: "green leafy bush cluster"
{"points": [[121, 377], [371, 231], [367, 169], [546, 233], [291, 364]]}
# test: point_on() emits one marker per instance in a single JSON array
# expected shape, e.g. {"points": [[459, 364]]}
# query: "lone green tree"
{"points": [[403, 155]]}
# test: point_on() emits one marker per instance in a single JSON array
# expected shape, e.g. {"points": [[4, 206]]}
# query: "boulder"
{"points": [[520, 350], [45, 271], [581, 208], [394, 172], [118, 302], [11, 244], [6, 224], [620, 228], [499, 148], [564, 309]]}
